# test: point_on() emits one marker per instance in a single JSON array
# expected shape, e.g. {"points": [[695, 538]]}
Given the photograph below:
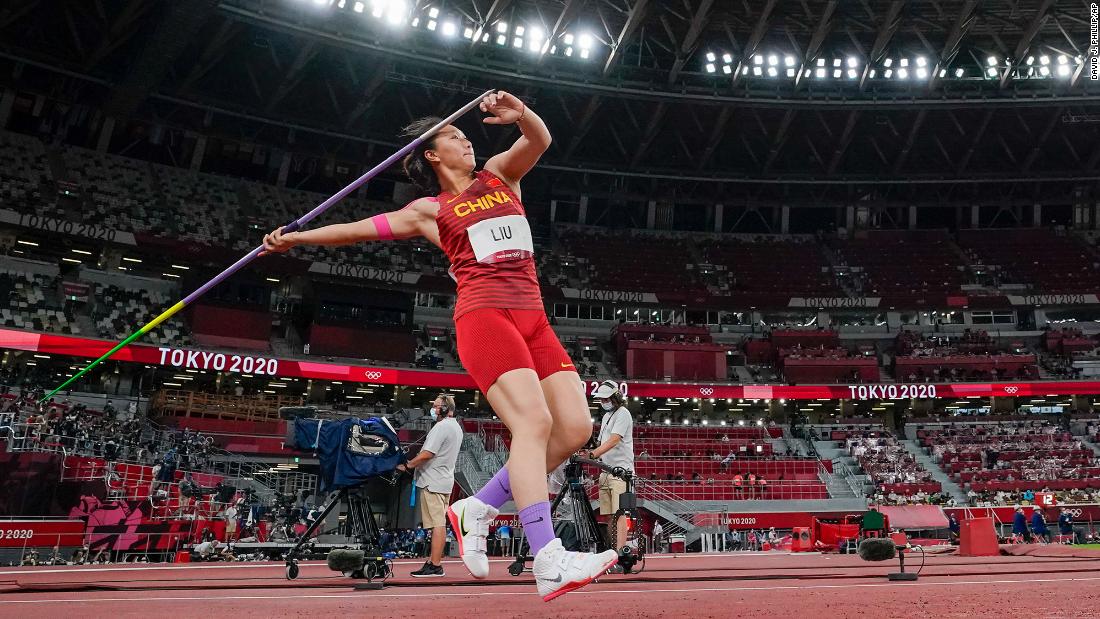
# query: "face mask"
{"points": [[434, 413], [607, 406]]}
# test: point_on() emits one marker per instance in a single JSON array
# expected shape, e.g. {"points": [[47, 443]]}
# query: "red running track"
{"points": [[699, 586]]}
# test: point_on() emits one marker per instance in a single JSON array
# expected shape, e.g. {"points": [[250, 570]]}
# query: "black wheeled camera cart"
{"points": [[590, 537]]}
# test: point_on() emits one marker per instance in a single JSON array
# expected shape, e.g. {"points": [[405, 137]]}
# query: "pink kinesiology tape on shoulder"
{"points": [[382, 225]]}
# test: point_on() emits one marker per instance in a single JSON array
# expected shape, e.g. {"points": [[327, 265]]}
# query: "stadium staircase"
{"points": [[846, 467], [946, 483]]}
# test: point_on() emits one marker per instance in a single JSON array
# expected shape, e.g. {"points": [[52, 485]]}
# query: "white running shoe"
{"points": [[559, 571], [470, 520]]}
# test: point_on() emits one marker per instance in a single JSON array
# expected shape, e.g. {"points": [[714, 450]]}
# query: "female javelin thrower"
{"points": [[504, 339]]}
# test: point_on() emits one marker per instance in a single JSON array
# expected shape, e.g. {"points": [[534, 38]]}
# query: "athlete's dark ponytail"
{"points": [[416, 166]]}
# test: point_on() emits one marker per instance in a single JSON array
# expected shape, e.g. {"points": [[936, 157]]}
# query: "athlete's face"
{"points": [[452, 149]]}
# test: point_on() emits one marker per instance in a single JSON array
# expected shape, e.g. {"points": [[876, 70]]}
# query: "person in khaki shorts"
{"points": [[435, 478], [616, 448]]}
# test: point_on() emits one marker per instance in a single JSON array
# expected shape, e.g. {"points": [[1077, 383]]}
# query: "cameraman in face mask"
{"points": [[435, 477], [616, 448]]}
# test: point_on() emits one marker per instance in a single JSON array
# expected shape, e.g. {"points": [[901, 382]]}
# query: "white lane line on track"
{"points": [[530, 593]]}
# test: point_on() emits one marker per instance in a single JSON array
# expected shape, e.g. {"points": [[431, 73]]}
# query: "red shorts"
{"points": [[492, 341]]}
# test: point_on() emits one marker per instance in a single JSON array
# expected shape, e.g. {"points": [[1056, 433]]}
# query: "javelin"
{"points": [[291, 227]]}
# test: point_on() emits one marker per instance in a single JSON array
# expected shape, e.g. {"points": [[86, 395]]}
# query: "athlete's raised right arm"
{"points": [[409, 222]]}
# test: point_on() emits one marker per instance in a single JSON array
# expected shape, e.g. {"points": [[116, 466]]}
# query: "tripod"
{"points": [[589, 536], [362, 529]]}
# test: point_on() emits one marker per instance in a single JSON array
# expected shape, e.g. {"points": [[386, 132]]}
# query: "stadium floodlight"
{"points": [[903, 74], [960, 72], [585, 41], [1063, 70], [922, 61], [415, 22], [992, 72], [1044, 71], [1062, 59], [396, 12], [788, 60], [449, 29], [584, 54], [320, 2], [791, 72], [501, 39], [757, 71], [468, 33], [820, 72], [889, 62], [519, 31], [727, 58], [820, 62], [772, 72], [432, 24], [757, 59], [872, 74], [837, 73], [852, 74], [569, 51], [711, 57], [922, 73], [727, 69], [433, 12], [517, 42], [358, 7], [836, 62], [502, 27], [341, 4], [943, 72], [1044, 59], [710, 68], [567, 39], [773, 60], [904, 62], [1030, 61], [853, 62], [991, 61]]}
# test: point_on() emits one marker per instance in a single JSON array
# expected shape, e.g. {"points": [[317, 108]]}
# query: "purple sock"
{"points": [[498, 491], [537, 526]]}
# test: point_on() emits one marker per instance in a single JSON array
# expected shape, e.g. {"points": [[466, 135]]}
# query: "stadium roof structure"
{"points": [[807, 103]]}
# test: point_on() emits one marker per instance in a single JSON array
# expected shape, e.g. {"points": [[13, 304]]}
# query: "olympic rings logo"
{"points": [[1011, 389], [1074, 513], [706, 391], [373, 374]]}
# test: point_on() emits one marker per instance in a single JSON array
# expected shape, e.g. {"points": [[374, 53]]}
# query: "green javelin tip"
{"points": [[117, 347]]}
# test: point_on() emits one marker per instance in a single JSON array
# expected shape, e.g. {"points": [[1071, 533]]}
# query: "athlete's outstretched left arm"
{"points": [[514, 163]]}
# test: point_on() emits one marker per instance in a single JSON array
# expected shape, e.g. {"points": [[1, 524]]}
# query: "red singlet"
{"points": [[499, 318], [505, 279]]}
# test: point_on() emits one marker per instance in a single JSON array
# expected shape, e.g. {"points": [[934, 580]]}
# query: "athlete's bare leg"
{"points": [[564, 394], [517, 398]]}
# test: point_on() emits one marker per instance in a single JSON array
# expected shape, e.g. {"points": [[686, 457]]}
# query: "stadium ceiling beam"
{"points": [[121, 30], [966, 18], [977, 137], [758, 32], [583, 125], [886, 30], [903, 155], [565, 17], [11, 14], [293, 74], [813, 48], [716, 135], [687, 45], [845, 140], [779, 140], [74, 34], [374, 83], [1024, 44], [634, 19], [565, 81], [651, 130], [1094, 159], [496, 9], [216, 49], [1040, 141]]}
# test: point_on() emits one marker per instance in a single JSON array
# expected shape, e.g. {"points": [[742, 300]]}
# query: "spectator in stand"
{"points": [[953, 526], [1039, 528], [1019, 525]]}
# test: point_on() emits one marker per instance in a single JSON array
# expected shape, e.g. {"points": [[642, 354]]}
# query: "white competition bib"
{"points": [[501, 239]]}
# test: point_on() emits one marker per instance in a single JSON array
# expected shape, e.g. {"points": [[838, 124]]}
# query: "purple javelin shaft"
{"points": [[340, 195]]}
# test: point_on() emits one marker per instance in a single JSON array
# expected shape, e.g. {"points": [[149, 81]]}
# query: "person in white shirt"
{"points": [[616, 448], [435, 478]]}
